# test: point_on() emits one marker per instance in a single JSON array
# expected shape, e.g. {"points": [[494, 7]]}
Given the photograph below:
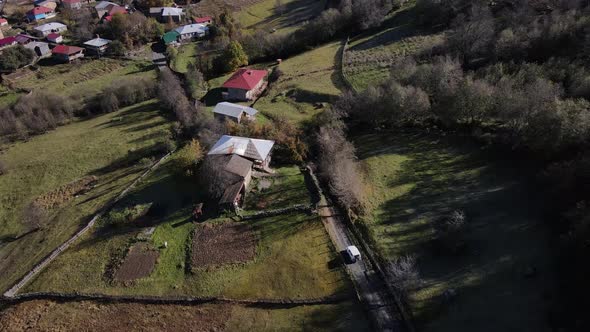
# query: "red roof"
{"points": [[3, 20], [245, 79], [117, 10], [53, 35], [7, 41], [70, 1], [203, 19], [65, 49], [40, 10]]}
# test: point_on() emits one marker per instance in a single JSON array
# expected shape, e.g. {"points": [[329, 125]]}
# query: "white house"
{"points": [[256, 150], [233, 112], [192, 31], [97, 45], [167, 14], [45, 29]]}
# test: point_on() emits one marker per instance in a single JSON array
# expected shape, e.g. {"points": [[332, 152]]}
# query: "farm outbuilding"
{"points": [[255, 150], [234, 112]]}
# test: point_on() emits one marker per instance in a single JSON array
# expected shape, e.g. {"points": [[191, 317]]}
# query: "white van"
{"points": [[353, 253]]}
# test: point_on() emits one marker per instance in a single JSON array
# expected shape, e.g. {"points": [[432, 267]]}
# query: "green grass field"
{"points": [[100, 146], [266, 16], [285, 189], [187, 53], [415, 179], [309, 78], [293, 255], [85, 80], [368, 57]]}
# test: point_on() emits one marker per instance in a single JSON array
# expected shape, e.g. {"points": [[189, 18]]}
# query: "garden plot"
{"points": [[138, 263], [227, 243]]}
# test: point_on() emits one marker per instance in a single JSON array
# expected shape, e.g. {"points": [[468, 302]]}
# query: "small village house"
{"points": [[24, 39], [97, 46], [192, 31], [3, 22], [65, 53], [55, 38], [167, 14], [234, 112], [206, 20], [48, 4], [105, 10], [245, 84], [238, 157], [40, 49], [45, 29], [7, 42], [40, 13], [71, 4]]}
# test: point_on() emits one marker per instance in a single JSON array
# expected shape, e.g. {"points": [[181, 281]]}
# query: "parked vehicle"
{"points": [[353, 253]]}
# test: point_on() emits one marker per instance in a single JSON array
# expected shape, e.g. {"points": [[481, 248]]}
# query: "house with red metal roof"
{"points": [[7, 42], [245, 84], [40, 13], [71, 4], [67, 53], [54, 38], [3, 22], [203, 20]]}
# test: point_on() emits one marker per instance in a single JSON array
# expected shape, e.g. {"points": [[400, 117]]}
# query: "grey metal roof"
{"points": [[97, 42], [233, 110], [251, 148], [50, 26], [192, 28], [238, 165]]}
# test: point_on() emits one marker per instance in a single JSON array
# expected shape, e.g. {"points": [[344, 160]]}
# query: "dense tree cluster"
{"points": [[33, 114], [15, 57], [132, 30], [123, 93]]}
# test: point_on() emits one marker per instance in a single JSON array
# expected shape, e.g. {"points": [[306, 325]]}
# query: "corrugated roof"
{"points": [[50, 26], [104, 4], [7, 41], [170, 36], [233, 110], [251, 148], [65, 49], [97, 42], [40, 10], [192, 28], [171, 11], [245, 79], [231, 192], [203, 19]]}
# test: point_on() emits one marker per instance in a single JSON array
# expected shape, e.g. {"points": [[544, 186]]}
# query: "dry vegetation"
{"points": [[138, 263], [227, 243]]}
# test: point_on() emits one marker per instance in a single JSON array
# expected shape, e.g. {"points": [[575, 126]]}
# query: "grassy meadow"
{"points": [[293, 253], [415, 179], [187, 53], [107, 146], [369, 56], [308, 79], [266, 16], [85, 80]]}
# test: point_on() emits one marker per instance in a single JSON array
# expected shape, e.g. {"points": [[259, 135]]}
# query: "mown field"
{"points": [[416, 179], [266, 16], [49, 315], [83, 81], [310, 81], [368, 57], [187, 53], [107, 146], [293, 253]]}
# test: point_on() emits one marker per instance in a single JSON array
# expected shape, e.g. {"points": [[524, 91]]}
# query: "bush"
{"points": [[124, 217], [403, 274], [15, 57], [450, 230]]}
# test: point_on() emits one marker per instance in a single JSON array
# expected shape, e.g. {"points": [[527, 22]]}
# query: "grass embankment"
{"points": [[415, 179], [308, 79], [293, 253], [86, 80], [100, 146], [369, 56], [266, 16], [50, 315]]}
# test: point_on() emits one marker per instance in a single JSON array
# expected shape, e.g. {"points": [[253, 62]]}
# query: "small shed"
{"points": [[234, 112], [97, 45], [170, 37], [55, 38]]}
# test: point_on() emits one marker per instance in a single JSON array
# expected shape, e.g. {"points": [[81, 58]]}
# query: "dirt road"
{"points": [[369, 286]]}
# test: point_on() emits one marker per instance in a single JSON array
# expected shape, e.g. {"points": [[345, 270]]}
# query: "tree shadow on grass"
{"points": [[213, 97], [294, 13]]}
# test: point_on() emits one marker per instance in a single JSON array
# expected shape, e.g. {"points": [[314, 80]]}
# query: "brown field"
{"points": [[138, 263], [227, 243], [44, 315]]}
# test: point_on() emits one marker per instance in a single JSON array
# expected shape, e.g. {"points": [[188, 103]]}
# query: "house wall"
{"points": [[222, 117], [236, 94], [248, 178]]}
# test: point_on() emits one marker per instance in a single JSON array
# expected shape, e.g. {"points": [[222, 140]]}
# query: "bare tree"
{"points": [[403, 274]]}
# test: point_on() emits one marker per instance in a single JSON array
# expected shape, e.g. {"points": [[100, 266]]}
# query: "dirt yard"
{"points": [[44, 315], [227, 243], [138, 263]]}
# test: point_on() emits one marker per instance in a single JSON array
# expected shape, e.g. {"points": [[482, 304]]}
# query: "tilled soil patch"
{"points": [[138, 263], [44, 315], [227, 243]]}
